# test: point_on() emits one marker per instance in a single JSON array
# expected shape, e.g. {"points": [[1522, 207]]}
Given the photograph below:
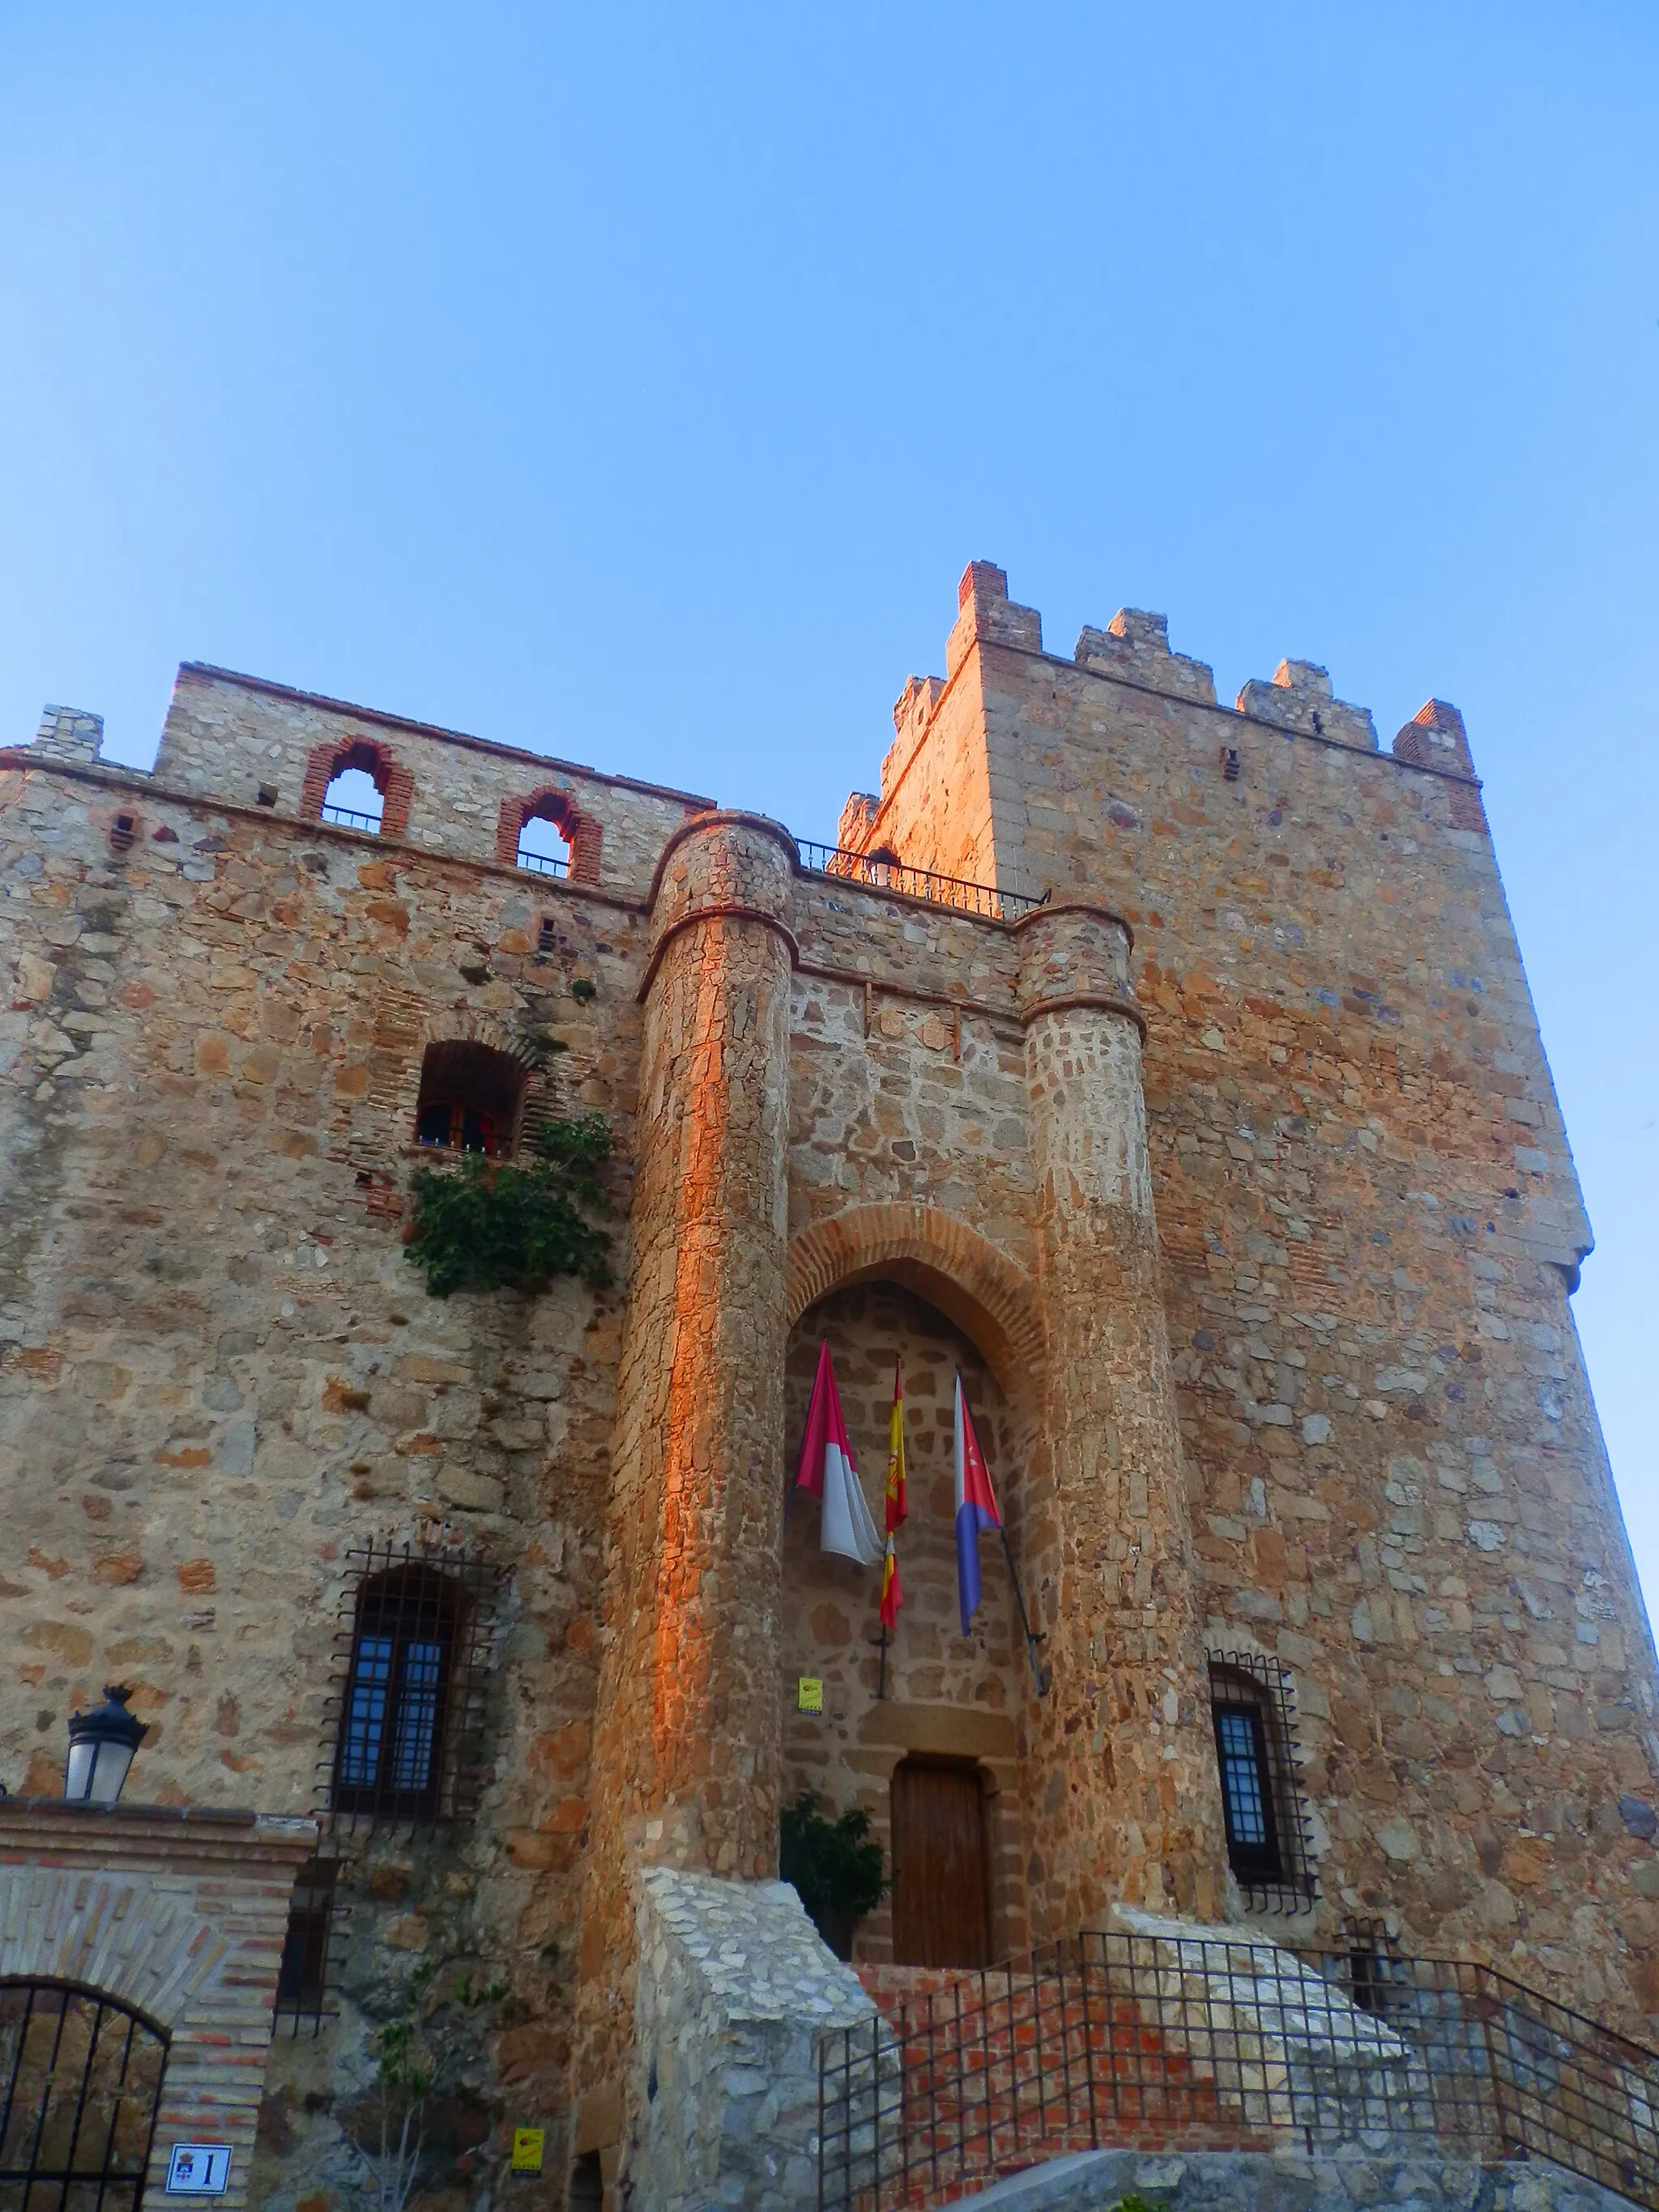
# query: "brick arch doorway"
{"points": [[81, 2075], [940, 1697]]}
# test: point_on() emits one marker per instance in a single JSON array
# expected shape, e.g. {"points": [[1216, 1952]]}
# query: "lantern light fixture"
{"points": [[100, 1748]]}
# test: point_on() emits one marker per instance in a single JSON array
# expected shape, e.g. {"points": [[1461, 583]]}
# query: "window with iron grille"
{"points": [[309, 1971], [1375, 1973], [1253, 1709], [412, 1670]]}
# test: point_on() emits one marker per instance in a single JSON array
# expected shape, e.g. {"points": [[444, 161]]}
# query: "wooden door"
{"points": [[941, 1914]]}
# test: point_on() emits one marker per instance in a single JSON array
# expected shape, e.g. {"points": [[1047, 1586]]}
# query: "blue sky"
{"points": [[634, 383]]}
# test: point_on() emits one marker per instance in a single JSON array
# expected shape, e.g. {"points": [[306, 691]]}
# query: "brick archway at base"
{"points": [[941, 1259]]}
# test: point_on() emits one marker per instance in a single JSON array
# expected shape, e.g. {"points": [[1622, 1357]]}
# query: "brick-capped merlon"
{"points": [[985, 615]]}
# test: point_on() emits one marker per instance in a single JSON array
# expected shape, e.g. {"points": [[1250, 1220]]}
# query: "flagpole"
{"points": [[1041, 1673]]}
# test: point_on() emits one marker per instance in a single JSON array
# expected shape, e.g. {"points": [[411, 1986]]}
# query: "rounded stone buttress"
{"points": [[686, 1767], [1125, 1721]]}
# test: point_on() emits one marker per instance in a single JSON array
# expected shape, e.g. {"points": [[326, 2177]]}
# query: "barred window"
{"points": [[470, 1098], [1253, 1709], [413, 1658], [308, 1972]]}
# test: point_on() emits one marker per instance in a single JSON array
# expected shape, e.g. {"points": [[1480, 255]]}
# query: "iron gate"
{"points": [[79, 2084]]}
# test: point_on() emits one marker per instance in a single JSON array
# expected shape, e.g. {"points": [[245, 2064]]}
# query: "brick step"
{"points": [[1000, 2074]]}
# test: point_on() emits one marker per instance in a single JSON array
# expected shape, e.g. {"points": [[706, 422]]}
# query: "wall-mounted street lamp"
{"points": [[100, 1748]]}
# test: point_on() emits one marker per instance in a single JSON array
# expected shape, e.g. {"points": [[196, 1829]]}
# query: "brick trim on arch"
{"points": [[584, 836], [930, 1252], [394, 782], [180, 1916]]}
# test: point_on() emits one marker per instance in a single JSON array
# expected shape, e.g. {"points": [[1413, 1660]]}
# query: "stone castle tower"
{"points": [[1166, 1069]]}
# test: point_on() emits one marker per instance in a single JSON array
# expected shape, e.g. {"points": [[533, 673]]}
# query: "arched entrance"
{"points": [[929, 1736], [80, 2085]]}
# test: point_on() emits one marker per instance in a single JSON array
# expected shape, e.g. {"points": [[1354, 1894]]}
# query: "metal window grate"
{"points": [[1170, 2044], [313, 1947], [414, 1652], [1269, 1830], [542, 863], [916, 883]]}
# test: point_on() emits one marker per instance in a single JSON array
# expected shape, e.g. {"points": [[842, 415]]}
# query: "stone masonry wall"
{"points": [[228, 737], [1331, 1412], [735, 1992], [1369, 1224], [218, 1374]]}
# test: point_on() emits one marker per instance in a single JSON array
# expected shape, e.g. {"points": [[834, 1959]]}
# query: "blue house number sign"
{"points": [[198, 2170]]}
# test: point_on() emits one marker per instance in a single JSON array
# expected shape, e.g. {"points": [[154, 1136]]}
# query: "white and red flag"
{"points": [[827, 1472]]}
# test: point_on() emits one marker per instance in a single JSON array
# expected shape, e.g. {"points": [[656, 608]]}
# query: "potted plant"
{"points": [[835, 1867]]}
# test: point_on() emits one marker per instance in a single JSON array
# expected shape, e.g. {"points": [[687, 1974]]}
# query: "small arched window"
{"points": [[543, 841], [355, 796], [418, 1629], [389, 1762], [1262, 1805], [470, 1098]]}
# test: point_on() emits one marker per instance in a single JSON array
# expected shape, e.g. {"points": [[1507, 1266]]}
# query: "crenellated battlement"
{"points": [[1300, 698], [1135, 645], [68, 733]]}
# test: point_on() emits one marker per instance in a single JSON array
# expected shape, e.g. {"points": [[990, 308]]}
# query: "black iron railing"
{"points": [[543, 864], [916, 883], [1168, 2042], [350, 818]]}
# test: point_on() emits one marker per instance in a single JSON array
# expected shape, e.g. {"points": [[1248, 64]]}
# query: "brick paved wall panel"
{"points": [[181, 1919]]}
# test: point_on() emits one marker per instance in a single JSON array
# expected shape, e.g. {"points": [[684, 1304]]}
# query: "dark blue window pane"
{"points": [[371, 1678], [417, 1716], [1241, 1778]]}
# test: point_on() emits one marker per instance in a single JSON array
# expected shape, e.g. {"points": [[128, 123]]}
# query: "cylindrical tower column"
{"points": [[686, 1766], [1127, 1802]]}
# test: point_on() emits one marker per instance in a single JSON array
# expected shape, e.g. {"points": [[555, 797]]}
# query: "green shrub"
{"points": [[835, 1866], [484, 1225]]}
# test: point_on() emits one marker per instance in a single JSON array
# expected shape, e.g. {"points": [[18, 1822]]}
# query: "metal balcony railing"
{"points": [[349, 818], [916, 883], [1167, 2042], [543, 864]]}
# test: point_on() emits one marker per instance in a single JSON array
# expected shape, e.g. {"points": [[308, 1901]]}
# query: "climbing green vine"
{"points": [[484, 1225]]}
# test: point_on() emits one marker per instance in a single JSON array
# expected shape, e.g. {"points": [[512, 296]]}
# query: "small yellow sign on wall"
{"points": [[527, 2150], [808, 1694]]}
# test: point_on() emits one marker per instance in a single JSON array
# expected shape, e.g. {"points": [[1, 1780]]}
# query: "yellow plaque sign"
{"points": [[527, 2150], [808, 1694]]}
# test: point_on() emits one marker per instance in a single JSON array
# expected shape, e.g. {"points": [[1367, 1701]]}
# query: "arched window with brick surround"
{"points": [[471, 1098], [359, 784], [547, 832]]}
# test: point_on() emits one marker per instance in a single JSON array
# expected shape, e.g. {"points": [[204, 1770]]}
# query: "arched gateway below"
{"points": [[925, 1742]]}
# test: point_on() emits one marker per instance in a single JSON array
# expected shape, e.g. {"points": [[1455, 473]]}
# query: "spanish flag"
{"points": [[892, 1595]]}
